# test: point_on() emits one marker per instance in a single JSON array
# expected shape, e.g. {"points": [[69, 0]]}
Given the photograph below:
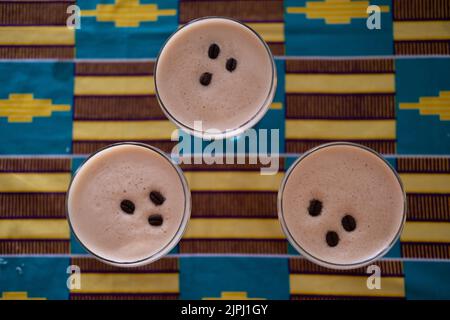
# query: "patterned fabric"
{"points": [[65, 93]]}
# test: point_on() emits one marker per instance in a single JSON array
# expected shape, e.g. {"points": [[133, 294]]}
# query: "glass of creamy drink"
{"points": [[341, 205], [128, 204], [218, 71]]}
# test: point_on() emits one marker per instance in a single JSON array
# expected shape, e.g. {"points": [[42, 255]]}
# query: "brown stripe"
{"points": [[432, 165], [245, 166], [38, 52], [300, 146], [426, 250], [422, 47], [32, 205], [114, 68], [340, 66], [117, 108], [88, 264], [428, 207], [34, 13], [87, 147], [301, 265], [328, 297], [123, 296], [233, 246], [234, 204], [421, 9], [34, 247], [246, 10], [34, 165], [277, 49], [305, 106]]}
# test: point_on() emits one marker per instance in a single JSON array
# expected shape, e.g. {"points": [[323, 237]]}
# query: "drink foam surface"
{"points": [[231, 99], [347, 180], [125, 172]]}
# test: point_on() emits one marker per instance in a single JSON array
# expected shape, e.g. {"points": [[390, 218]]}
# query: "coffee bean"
{"points": [[205, 78], [213, 51], [231, 64], [332, 238], [157, 198], [315, 207], [349, 223], [155, 220], [127, 206]]}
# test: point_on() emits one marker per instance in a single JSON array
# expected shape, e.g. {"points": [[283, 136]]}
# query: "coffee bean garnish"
{"points": [[332, 238], [127, 206], [349, 223], [157, 198], [315, 207], [231, 64], [213, 51], [205, 78], [155, 220]]}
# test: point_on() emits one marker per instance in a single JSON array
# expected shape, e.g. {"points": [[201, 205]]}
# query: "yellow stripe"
{"points": [[340, 129], [231, 295], [229, 181], [426, 182], [34, 229], [276, 106], [441, 100], [340, 83], [123, 130], [32, 110], [133, 85], [423, 30], [112, 15], [436, 111], [23, 107], [37, 36], [19, 295], [342, 285], [222, 228], [335, 12], [128, 283], [34, 182], [440, 105], [270, 32], [426, 232], [20, 119]]}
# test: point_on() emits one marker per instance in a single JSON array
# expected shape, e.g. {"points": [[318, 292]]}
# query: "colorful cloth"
{"points": [[66, 92]]}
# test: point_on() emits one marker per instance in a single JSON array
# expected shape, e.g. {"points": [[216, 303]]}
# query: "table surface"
{"points": [[65, 93]]}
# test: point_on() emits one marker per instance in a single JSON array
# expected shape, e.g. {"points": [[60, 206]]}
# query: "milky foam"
{"points": [[347, 180], [232, 98], [125, 172]]}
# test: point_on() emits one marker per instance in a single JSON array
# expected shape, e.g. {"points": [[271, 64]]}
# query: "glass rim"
{"points": [[304, 252], [178, 234], [229, 132]]}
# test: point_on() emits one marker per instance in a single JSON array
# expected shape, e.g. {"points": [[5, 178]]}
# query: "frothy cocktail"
{"points": [[128, 204], [217, 71], [342, 205]]}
